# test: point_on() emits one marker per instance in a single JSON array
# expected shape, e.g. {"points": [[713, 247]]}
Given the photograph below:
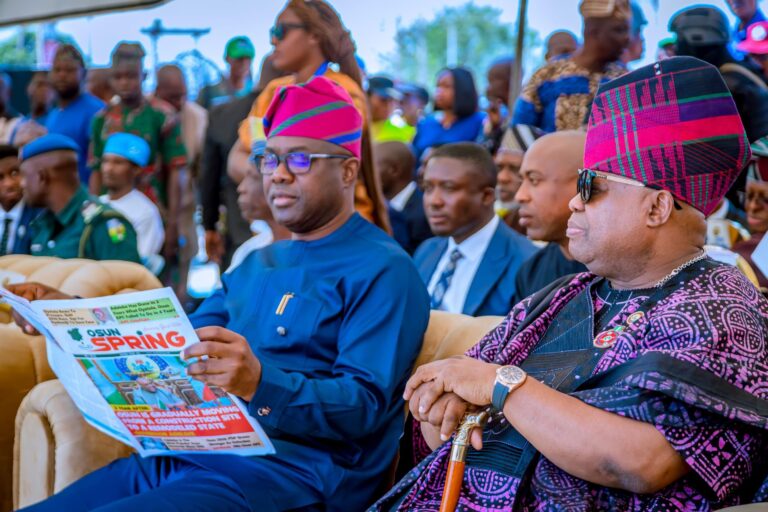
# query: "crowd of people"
{"points": [[198, 152], [628, 371]]}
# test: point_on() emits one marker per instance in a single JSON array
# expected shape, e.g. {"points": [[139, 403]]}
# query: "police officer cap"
{"points": [[48, 143], [129, 146]]}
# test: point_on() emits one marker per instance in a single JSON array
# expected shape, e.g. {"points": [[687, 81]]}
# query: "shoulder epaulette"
{"points": [[116, 227], [91, 210]]}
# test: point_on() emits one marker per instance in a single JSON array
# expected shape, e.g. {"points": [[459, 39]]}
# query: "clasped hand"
{"points": [[439, 393]]}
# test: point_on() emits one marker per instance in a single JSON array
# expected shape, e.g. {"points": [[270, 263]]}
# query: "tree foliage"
{"points": [[20, 48], [478, 38]]}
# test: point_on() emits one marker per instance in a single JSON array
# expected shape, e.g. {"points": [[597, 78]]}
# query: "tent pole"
{"points": [[516, 81]]}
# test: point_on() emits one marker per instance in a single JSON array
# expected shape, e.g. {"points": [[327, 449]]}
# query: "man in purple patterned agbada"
{"points": [[643, 384]]}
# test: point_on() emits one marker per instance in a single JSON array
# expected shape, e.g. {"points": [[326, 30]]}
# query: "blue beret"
{"points": [[46, 144], [129, 146]]}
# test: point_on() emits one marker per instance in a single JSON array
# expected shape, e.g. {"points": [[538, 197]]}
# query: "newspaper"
{"points": [[119, 358]]}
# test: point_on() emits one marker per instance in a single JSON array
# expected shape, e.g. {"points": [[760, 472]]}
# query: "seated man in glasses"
{"points": [[318, 334], [641, 384]]}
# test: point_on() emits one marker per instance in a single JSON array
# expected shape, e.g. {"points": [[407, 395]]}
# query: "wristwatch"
{"points": [[508, 379]]}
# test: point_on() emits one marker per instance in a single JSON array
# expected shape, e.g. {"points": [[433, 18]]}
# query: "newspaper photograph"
{"points": [[119, 358]]}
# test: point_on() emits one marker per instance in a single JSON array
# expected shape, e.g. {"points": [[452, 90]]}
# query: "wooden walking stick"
{"points": [[455, 475]]}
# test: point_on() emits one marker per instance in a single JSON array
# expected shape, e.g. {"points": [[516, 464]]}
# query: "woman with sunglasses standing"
{"points": [[307, 37]]}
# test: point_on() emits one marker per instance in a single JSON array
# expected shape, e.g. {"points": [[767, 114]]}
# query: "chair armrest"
{"points": [[450, 334], [54, 446], [22, 366]]}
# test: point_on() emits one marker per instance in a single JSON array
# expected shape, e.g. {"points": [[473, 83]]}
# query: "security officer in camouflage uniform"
{"points": [[74, 224]]}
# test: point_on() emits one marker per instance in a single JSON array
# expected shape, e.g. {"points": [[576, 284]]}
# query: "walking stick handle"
{"points": [[455, 475]]}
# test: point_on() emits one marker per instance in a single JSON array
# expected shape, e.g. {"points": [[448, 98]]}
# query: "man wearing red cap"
{"points": [[748, 13], [318, 334], [641, 384], [756, 45]]}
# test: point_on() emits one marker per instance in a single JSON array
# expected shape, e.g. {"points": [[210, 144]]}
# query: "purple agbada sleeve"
{"points": [[724, 457], [722, 453]]}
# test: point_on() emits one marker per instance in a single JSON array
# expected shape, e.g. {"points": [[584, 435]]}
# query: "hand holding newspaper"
{"points": [[119, 358]]}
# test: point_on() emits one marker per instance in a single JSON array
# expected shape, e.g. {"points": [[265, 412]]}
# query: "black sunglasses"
{"points": [[586, 176], [280, 30]]}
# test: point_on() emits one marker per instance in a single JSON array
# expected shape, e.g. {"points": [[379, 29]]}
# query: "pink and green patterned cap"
{"points": [[673, 126], [319, 109]]}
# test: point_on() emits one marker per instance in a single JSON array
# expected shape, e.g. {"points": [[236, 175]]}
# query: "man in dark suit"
{"points": [[395, 163], [15, 215], [216, 187], [471, 266]]}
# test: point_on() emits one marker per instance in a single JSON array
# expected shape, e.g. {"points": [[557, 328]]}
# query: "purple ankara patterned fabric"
{"points": [[672, 125], [695, 366]]}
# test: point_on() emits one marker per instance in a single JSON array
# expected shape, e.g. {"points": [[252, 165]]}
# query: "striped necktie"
{"points": [[6, 236], [438, 294]]}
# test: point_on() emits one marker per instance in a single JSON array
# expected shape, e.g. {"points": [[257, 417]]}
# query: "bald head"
{"points": [[171, 86], [549, 171], [394, 163], [559, 152], [560, 43], [169, 72]]}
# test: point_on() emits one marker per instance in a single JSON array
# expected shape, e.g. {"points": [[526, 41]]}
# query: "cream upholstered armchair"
{"points": [[54, 445], [23, 364]]}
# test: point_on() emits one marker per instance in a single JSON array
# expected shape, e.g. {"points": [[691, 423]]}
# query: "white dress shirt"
{"points": [[145, 218], [15, 216], [472, 250], [399, 201], [6, 128], [262, 237]]}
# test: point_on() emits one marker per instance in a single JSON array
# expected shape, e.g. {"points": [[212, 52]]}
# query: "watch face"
{"points": [[511, 375]]}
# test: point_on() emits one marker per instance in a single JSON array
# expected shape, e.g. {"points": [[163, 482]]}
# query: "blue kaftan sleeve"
{"points": [[526, 113], [385, 317], [528, 107]]}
